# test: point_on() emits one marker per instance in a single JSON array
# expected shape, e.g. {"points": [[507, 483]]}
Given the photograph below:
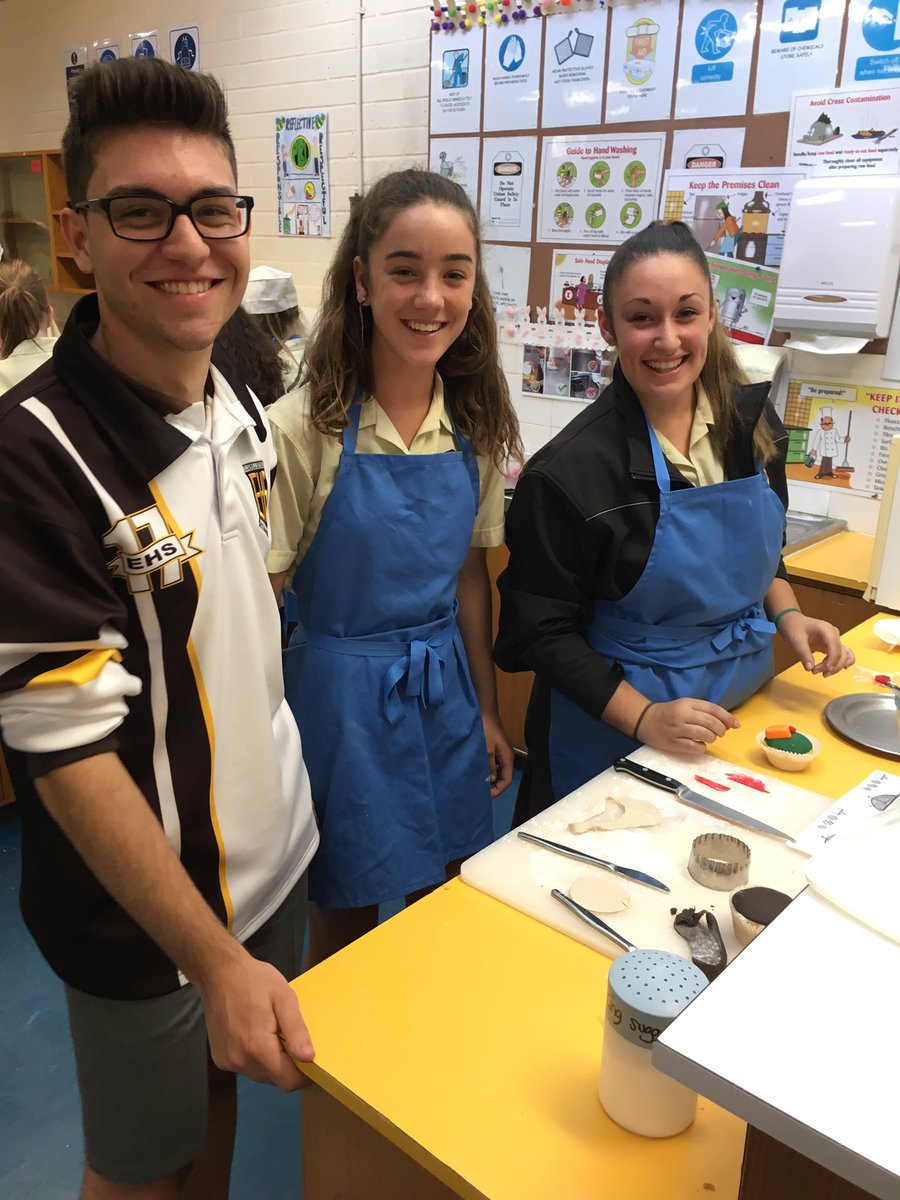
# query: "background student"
{"points": [[27, 329], [271, 299], [389, 489], [645, 579]]}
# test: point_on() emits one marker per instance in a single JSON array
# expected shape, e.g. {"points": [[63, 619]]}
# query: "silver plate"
{"points": [[868, 720]]}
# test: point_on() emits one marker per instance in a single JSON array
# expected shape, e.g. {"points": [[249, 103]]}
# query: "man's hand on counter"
{"points": [[808, 636]]}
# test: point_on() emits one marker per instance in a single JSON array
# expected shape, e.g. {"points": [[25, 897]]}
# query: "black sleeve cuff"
{"points": [[41, 764]]}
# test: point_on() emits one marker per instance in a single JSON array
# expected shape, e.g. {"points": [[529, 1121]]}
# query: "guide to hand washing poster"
{"points": [[641, 62], [846, 132], [740, 214], [598, 190], [799, 41], [301, 163], [574, 66], [840, 434], [714, 60]]}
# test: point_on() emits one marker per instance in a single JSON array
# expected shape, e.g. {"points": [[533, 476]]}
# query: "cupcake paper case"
{"points": [[787, 748]]}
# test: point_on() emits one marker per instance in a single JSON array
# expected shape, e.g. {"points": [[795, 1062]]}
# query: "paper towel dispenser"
{"points": [[841, 258]]}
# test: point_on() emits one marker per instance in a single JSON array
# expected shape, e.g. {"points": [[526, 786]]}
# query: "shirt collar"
{"points": [[436, 418]]}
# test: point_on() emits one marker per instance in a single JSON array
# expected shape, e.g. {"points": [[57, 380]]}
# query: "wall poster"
{"points": [[746, 297], [301, 161], [840, 434], [456, 62], [846, 132], [799, 41], [512, 75], [507, 187], [642, 62], [707, 149], [574, 66], [457, 159], [507, 269], [576, 284], [739, 214], [565, 373], [872, 53], [714, 61], [600, 189]]}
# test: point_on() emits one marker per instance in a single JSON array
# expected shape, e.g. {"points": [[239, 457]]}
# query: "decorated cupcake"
{"points": [[787, 748]]}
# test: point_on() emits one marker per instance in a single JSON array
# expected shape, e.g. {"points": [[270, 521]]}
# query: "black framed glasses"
{"points": [[143, 218]]}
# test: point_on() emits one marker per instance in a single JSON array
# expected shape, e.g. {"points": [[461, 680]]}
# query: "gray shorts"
{"points": [[142, 1064]]}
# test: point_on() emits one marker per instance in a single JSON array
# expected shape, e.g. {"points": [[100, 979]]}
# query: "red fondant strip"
{"points": [[711, 783], [749, 781]]}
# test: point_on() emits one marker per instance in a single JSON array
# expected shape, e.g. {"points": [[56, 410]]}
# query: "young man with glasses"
{"points": [[166, 812]]}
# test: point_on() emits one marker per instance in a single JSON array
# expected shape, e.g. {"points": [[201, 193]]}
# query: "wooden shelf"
{"points": [[28, 189]]}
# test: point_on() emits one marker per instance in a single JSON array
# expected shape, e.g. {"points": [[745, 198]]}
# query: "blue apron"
{"points": [[692, 625], [377, 678]]}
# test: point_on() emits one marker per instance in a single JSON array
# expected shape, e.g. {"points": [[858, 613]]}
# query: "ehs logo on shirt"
{"points": [[259, 481], [147, 549]]}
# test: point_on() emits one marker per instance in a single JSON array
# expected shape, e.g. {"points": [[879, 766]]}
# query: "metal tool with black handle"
{"points": [[696, 799]]}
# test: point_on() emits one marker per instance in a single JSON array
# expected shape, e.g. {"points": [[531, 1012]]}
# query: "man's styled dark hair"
{"points": [[131, 92]]}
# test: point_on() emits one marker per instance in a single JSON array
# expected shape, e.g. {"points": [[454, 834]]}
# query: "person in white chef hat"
{"points": [[823, 445], [271, 299]]}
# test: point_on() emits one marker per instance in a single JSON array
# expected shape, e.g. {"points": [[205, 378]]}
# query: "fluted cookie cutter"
{"points": [[719, 861]]}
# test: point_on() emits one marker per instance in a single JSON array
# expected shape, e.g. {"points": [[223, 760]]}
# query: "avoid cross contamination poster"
{"points": [[301, 161], [598, 190], [574, 65], [846, 132], [641, 62], [714, 61], [799, 41]]}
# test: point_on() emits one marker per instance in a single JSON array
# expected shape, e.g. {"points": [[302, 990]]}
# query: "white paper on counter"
{"points": [[574, 65], [641, 62], [819, 343], [714, 62], [799, 42], [512, 75], [852, 808], [456, 62]]}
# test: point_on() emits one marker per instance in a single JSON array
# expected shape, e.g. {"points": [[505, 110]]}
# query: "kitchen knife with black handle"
{"points": [[696, 799]]}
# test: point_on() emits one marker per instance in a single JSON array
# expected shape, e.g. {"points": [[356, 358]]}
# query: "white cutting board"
{"points": [[523, 875]]}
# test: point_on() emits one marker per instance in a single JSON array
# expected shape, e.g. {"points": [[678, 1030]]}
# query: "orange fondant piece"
{"points": [[778, 731]]}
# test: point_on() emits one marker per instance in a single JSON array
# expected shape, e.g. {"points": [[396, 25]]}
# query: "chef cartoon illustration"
{"points": [[823, 445]]}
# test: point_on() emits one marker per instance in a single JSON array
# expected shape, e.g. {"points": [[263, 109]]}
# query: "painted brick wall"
{"points": [[269, 56]]}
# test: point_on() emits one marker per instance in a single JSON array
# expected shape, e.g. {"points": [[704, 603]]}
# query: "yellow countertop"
{"points": [[469, 1035], [799, 698], [842, 561]]}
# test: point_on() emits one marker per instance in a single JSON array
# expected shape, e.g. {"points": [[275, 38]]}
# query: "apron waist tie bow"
{"points": [[739, 629], [417, 660]]}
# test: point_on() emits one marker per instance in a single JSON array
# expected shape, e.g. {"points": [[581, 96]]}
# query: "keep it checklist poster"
{"points": [[301, 160]]}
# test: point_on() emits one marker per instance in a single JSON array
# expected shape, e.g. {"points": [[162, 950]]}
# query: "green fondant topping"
{"points": [[797, 743]]}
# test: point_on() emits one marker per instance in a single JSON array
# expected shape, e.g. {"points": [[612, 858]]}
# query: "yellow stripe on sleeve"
{"points": [[76, 673]]}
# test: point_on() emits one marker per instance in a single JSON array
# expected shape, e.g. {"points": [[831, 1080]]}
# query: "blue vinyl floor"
{"points": [[40, 1129]]}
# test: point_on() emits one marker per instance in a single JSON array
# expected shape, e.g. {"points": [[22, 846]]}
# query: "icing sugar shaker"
{"points": [[646, 991]]}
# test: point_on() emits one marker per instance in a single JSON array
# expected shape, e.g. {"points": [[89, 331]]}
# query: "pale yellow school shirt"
{"points": [[308, 462], [27, 357], [703, 466]]}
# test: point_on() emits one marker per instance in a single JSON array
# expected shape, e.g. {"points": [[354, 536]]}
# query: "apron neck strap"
{"points": [[660, 466]]}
